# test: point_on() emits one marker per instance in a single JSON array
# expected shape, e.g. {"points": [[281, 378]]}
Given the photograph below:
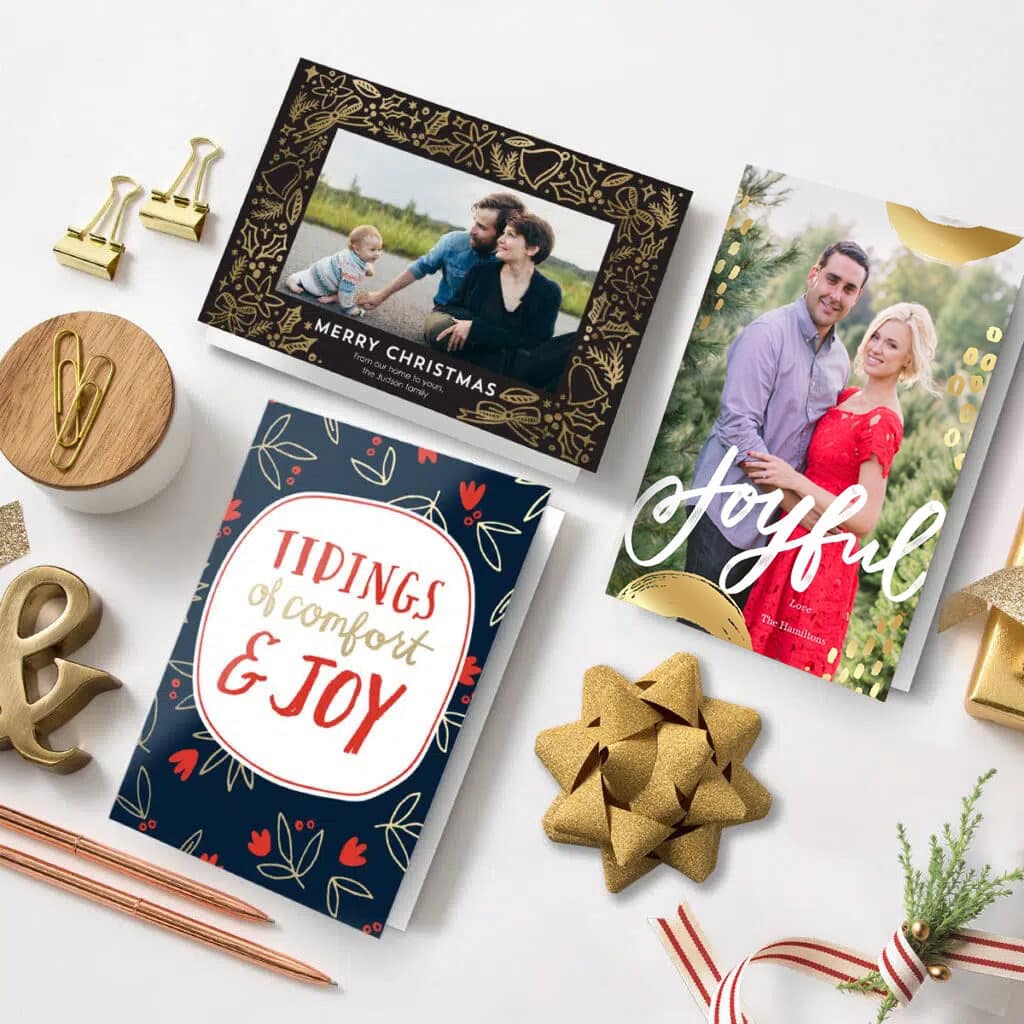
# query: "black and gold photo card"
{"points": [[438, 258]]}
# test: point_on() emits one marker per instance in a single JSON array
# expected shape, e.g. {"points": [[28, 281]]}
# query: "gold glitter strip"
{"points": [[13, 536]]}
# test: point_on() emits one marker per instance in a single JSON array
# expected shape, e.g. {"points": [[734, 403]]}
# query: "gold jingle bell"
{"points": [[920, 931], [940, 972]]}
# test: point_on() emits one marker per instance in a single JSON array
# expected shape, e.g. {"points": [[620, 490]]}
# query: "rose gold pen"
{"points": [[135, 867], [162, 917]]}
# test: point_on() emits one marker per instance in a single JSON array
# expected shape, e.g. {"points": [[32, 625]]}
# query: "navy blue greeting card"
{"points": [[328, 660]]}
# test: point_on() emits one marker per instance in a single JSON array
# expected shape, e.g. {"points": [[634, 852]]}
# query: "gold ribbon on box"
{"points": [[1003, 590], [652, 772]]}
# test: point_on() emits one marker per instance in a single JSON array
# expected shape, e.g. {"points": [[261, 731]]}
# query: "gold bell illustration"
{"points": [[99, 255], [179, 215]]}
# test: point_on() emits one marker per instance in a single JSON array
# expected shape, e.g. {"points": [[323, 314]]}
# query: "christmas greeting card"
{"points": [[329, 662], [841, 383], [473, 278]]}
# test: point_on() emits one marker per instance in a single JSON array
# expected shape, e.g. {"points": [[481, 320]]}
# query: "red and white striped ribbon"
{"points": [[903, 970], [718, 994]]}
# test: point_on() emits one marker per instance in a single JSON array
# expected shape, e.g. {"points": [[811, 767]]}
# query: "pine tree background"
{"points": [[756, 270]]}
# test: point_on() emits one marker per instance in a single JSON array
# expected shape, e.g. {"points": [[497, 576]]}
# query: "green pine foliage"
{"points": [[947, 896]]}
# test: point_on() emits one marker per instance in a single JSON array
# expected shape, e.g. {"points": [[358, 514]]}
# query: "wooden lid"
{"points": [[131, 421]]}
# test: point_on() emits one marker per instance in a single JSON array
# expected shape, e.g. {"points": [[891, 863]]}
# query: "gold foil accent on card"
{"points": [[687, 596], [949, 243]]}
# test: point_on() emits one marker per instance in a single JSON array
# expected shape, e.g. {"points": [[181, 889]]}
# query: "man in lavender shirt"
{"points": [[784, 370]]}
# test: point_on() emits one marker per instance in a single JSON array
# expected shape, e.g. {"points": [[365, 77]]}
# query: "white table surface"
{"points": [[907, 101]]}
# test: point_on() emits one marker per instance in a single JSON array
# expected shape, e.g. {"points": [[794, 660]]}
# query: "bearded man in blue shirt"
{"points": [[785, 369], [456, 252]]}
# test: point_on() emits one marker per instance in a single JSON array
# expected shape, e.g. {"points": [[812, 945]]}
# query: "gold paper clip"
{"points": [[96, 254], [68, 445], [178, 215], [59, 362]]}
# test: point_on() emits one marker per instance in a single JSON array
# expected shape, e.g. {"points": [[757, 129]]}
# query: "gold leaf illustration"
{"points": [[292, 212], [379, 477], [276, 429], [148, 727], [268, 468], [538, 506], [398, 829], [289, 320], [192, 843], [214, 761], [143, 796], [284, 838], [610, 362], [519, 396], [519, 142], [368, 89], [338, 884], [616, 178], [421, 505], [291, 450], [501, 608], [504, 164], [666, 212], [485, 531], [450, 721], [436, 123]]}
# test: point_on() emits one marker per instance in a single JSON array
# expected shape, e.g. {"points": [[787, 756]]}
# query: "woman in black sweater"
{"points": [[502, 308]]}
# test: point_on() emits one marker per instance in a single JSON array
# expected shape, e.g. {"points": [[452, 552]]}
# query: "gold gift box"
{"points": [[996, 691]]}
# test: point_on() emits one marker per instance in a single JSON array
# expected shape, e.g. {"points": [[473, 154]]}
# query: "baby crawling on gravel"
{"points": [[337, 277]]}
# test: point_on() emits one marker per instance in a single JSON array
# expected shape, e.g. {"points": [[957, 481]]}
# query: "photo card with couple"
{"points": [[407, 254], [818, 426]]}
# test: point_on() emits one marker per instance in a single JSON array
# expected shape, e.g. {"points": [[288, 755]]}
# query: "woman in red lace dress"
{"points": [[853, 443]]}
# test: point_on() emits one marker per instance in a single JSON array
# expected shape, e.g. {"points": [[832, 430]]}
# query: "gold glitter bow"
{"points": [[652, 772], [521, 420]]}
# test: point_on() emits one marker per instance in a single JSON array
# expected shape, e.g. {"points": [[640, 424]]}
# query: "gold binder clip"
{"points": [[178, 215], [98, 255]]}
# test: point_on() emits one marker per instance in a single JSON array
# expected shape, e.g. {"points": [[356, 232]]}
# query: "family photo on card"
{"points": [[820, 420], [391, 246], [441, 258]]}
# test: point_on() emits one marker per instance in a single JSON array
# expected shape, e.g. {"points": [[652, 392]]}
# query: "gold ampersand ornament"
{"points": [[652, 772], [26, 718]]}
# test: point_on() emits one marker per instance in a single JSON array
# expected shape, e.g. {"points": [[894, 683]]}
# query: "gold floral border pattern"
{"points": [[571, 425]]}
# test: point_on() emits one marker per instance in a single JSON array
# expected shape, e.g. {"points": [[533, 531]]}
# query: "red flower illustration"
{"points": [[259, 845], [232, 513], [426, 455], [352, 853], [471, 494], [470, 669], [184, 762], [210, 858]]}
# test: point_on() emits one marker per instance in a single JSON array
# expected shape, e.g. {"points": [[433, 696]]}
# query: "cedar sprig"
{"points": [[949, 897]]}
